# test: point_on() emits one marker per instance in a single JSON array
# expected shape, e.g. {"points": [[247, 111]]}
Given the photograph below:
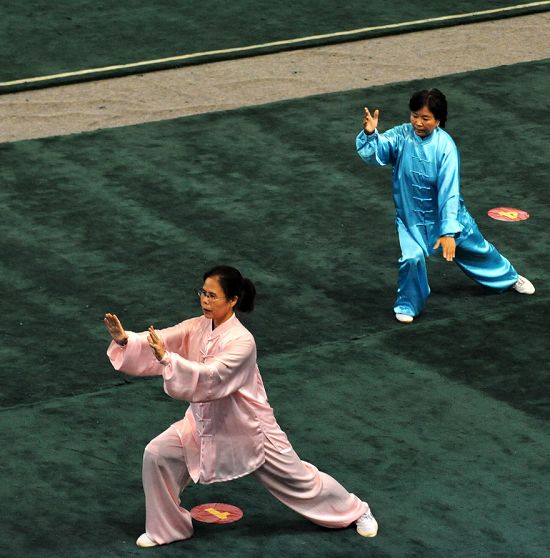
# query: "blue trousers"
{"points": [[479, 260]]}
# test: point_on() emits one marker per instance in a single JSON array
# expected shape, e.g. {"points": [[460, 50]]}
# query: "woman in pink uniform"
{"points": [[229, 429]]}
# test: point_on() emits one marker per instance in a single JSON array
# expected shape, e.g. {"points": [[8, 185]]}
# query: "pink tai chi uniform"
{"points": [[228, 431]]}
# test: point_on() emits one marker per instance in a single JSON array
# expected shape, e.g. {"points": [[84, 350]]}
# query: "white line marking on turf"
{"points": [[268, 45]]}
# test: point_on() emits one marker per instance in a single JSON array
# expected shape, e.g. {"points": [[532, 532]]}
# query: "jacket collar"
{"points": [[222, 328]]}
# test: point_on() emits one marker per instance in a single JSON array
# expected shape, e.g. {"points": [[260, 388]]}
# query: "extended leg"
{"points": [[483, 263], [307, 491]]}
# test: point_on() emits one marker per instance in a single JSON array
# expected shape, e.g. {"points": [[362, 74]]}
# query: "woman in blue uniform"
{"points": [[430, 212]]}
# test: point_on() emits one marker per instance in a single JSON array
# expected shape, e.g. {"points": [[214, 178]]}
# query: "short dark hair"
{"points": [[234, 284], [434, 100]]}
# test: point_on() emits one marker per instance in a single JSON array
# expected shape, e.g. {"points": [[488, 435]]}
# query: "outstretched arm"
{"points": [[138, 354]]}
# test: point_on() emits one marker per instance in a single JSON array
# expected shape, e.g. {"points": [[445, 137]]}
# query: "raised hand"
{"points": [[156, 343], [370, 121], [115, 329]]}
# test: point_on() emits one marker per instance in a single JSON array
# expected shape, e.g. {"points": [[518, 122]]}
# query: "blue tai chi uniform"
{"points": [[426, 192]]}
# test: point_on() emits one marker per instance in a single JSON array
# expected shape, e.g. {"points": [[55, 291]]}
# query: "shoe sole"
{"points": [[368, 535], [146, 544]]}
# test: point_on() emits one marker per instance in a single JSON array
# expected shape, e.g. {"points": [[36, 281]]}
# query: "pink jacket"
{"points": [[229, 416]]}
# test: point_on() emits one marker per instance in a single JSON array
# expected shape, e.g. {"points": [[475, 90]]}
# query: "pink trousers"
{"points": [[297, 484]]}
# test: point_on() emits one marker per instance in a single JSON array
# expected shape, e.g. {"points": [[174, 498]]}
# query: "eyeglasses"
{"points": [[210, 296]]}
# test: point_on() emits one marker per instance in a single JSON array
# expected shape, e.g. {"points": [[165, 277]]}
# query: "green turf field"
{"points": [[55, 42], [442, 426]]}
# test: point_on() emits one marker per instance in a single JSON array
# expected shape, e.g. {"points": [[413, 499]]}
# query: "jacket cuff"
{"points": [[450, 227], [368, 137]]}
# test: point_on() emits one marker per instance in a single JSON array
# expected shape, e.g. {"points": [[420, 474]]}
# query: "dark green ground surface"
{"points": [[41, 38], [442, 426]]}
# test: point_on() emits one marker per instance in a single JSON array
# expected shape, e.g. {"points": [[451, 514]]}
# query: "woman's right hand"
{"points": [[370, 121], [114, 327]]}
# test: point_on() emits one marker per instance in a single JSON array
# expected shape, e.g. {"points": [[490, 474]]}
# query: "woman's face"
{"points": [[214, 303], [423, 121]]}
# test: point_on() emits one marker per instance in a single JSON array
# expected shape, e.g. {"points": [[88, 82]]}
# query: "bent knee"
{"points": [[152, 453]]}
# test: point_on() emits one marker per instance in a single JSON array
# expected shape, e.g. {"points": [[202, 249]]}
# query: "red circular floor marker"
{"points": [[216, 513], [508, 214]]}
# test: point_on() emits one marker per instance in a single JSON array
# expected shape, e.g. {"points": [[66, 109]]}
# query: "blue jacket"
{"points": [[426, 180]]}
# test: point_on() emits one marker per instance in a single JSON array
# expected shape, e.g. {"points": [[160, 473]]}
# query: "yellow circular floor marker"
{"points": [[508, 214]]}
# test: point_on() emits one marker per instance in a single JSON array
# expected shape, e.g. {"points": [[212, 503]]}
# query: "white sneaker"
{"points": [[404, 318], [367, 526], [523, 286], [145, 542]]}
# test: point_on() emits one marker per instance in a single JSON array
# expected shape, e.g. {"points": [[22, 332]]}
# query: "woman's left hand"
{"points": [[448, 244], [156, 343]]}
